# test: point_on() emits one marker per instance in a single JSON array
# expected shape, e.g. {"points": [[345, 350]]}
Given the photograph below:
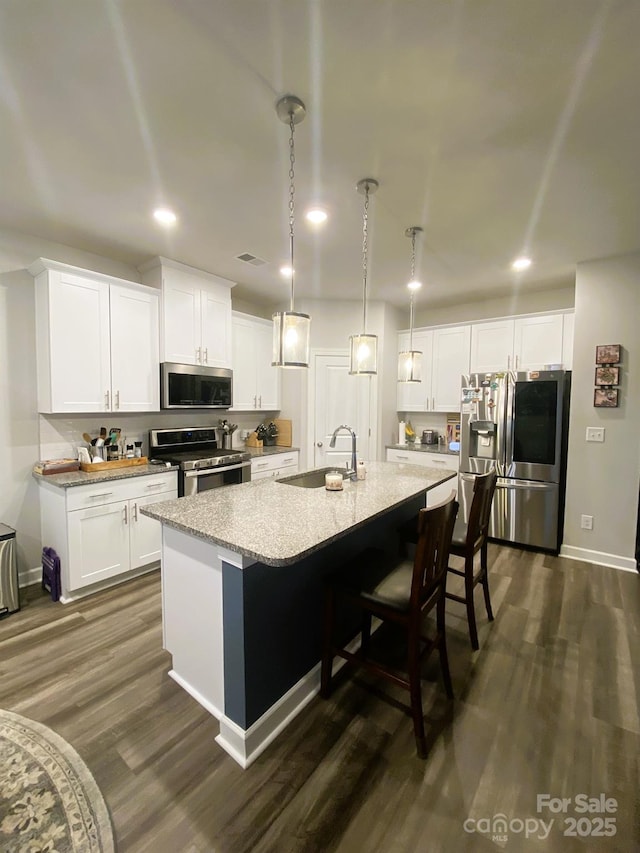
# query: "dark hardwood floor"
{"points": [[548, 706]]}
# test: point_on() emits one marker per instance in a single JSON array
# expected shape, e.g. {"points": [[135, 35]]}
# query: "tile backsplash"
{"points": [[61, 435]]}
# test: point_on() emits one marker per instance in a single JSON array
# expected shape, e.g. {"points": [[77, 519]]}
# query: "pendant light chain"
{"points": [[365, 221], [413, 276], [292, 160]]}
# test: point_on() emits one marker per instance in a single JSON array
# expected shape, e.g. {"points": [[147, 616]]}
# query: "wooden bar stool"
{"points": [[468, 539], [401, 592]]}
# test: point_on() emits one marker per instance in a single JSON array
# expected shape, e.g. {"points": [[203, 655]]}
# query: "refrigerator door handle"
{"points": [[529, 485]]}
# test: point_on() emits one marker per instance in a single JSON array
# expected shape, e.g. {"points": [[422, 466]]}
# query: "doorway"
{"points": [[339, 398]]}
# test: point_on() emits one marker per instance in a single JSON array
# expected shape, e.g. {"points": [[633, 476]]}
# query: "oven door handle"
{"points": [[216, 469]]}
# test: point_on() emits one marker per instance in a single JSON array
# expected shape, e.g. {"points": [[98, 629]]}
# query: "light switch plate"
{"points": [[595, 433]]}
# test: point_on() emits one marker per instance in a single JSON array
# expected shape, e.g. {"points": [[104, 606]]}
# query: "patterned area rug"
{"points": [[49, 801]]}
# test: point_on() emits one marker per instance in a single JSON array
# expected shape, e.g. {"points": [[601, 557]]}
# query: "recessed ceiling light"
{"points": [[414, 285], [165, 216], [316, 216], [521, 263], [286, 271]]}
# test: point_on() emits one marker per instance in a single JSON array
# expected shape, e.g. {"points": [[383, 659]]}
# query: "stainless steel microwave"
{"points": [[193, 386]]}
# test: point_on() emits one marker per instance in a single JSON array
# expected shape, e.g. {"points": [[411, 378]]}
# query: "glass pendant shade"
{"points": [[291, 334], [363, 359], [410, 366]]}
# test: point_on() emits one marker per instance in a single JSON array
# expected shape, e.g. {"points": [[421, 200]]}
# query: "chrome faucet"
{"points": [[352, 472]]}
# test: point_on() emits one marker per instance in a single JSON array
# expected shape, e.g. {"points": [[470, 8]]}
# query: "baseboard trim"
{"points": [[27, 577], [599, 558], [244, 746], [195, 694]]}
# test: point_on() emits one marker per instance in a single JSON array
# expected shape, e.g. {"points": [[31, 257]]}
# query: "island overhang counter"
{"points": [[242, 579]]}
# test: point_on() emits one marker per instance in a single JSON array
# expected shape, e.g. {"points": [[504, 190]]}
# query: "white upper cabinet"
{"points": [[196, 313], [256, 384], [491, 346], [450, 360], [445, 357], [96, 341], [416, 396], [518, 343]]}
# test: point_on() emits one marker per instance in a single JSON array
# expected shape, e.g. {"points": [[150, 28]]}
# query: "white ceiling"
{"points": [[496, 125]]}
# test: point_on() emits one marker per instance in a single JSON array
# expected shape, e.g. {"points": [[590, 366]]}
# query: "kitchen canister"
{"points": [[402, 436], [362, 470]]}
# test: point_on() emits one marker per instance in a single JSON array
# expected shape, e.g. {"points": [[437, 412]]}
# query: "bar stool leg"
{"points": [[485, 581], [468, 594]]}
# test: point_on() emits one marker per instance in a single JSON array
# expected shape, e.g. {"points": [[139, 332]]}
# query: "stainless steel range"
{"points": [[202, 465]]}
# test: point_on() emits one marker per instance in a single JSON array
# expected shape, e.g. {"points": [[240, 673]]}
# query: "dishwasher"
{"points": [[9, 594]]}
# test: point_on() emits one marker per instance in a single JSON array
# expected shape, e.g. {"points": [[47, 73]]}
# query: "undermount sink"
{"points": [[310, 479]]}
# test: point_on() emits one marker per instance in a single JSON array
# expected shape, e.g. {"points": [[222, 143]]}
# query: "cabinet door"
{"points": [[537, 341], [215, 313], [135, 372], [267, 377], [98, 543], [181, 330], [244, 364], [145, 534], [491, 346], [450, 360], [80, 375], [416, 396]]}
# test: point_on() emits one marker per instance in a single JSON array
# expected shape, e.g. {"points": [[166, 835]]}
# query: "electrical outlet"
{"points": [[595, 433], [586, 522]]}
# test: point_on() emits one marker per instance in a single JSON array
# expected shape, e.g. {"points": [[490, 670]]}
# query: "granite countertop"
{"points": [[257, 452], [423, 448], [255, 519], [82, 478]]}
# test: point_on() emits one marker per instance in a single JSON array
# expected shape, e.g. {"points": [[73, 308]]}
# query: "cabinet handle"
{"points": [[260, 401], [508, 362], [205, 357], [255, 402], [517, 359], [400, 456], [106, 396], [135, 512], [319, 444], [153, 485], [117, 399], [101, 495], [261, 465], [198, 356], [124, 509]]}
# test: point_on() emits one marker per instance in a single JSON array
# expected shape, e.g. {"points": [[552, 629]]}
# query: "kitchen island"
{"points": [[242, 576]]}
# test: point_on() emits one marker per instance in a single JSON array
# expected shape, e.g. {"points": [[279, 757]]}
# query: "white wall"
{"points": [[522, 302], [603, 479]]}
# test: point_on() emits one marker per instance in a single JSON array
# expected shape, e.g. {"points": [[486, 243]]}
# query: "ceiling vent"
{"points": [[251, 259]]}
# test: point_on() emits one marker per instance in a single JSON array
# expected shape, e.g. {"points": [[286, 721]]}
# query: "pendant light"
{"points": [[410, 361], [290, 328], [364, 347]]}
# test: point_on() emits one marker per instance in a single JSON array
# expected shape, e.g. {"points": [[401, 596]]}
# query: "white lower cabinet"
{"points": [[98, 531], [447, 462], [275, 465]]}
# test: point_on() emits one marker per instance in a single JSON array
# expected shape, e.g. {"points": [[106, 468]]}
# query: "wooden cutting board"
{"points": [[116, 463]]}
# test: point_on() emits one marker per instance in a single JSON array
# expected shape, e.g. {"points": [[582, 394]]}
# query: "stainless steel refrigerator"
{"points": [[517, 422]]}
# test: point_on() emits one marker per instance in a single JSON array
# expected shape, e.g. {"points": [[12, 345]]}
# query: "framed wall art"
{"points": [[605, 398], [607, 376], [608, 354]]}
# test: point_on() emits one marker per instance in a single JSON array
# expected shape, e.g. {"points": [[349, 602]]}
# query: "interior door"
{"points": [[340, 398]]}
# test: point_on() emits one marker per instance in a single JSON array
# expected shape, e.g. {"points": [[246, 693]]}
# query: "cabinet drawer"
{"points": [[110, 491], [425, 459], [287, 460], [262, 465]]}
